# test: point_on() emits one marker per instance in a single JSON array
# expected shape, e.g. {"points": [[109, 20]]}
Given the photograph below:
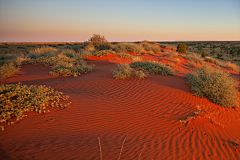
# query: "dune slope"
{"points": [[147, 110]]}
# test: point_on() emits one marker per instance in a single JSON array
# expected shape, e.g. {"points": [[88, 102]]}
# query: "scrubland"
{"points": [[150, 83]]}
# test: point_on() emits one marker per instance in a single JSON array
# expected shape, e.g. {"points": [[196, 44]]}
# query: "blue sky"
{"points": [[125, 20]]}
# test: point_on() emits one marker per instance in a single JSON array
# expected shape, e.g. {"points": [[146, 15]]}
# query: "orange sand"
{"points": [[149, 110]]}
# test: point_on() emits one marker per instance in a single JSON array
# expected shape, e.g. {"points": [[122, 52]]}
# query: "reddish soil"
{"points": [[147, 110]]}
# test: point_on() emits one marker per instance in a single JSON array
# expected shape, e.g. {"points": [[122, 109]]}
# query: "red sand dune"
{"points": [[149, 110]]}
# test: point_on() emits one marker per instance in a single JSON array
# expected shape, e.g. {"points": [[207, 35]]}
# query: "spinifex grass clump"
{"points": [[71, 69], [55, 59], [218, 86], [8, 69], [122, 71], [193, 58], [153, 67], [123, 47], [124, 55], [152, 48], [17, 98]]}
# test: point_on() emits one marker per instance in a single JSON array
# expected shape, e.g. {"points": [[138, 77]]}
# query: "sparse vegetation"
{"points": [[70, 69], [152, 67], [123, 47], [8, 69], [152, 47], [218, 86], [122, 71], [193, 58]]}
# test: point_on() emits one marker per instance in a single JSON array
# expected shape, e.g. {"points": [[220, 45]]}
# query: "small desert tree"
{"points": [[97, 39], [182, 48], [204, 54]]}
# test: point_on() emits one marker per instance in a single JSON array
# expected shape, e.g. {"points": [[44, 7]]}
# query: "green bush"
{"points": [[182, 48], [122, 71], [17, 98], [152, 67], [204, 54], [8, 69], [70, 69], [218, 86]]}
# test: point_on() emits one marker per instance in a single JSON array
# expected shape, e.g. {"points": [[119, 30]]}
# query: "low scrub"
{"points": [[218, 86], [102, 53], [152, 67], [170, 54], [8, 69], [193, 58], [44, 50], [67, 69], [17, 99], [232, 66], [150, 47], [123, 47], [122, 71], [215, 61], [125, 71], [124, 55]]}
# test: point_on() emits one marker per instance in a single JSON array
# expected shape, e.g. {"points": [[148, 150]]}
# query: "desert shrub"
{"points": [[137, 58], [215, 61], [122, 71], [182, 48], [204, 54], [153, 67], [124, 55], [170, 54], [177, 60], [143, 52], [77, 48], [8, 69], [44, 50], [150, 47], [96, 38], [102, 53], [123, 47], [218, 86], [232, 66], [85, 54], [34, 55], [68, 52], [17, 99], [55, 59], [140, 74], [90, 47], [70, 69], [193, 58], [105, 46], [18, 61]]}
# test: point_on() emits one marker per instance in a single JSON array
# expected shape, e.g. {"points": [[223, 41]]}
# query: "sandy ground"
{"points": [[147, 110]]}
